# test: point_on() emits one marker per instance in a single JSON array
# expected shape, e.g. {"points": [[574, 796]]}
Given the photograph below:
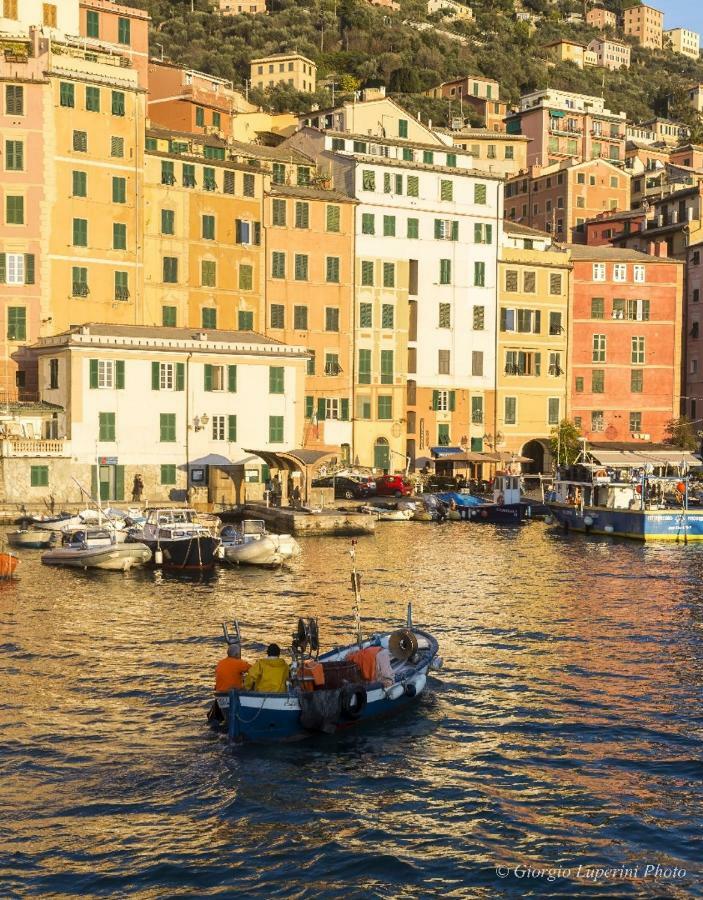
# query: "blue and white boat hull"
{"points": [[644, 525]]}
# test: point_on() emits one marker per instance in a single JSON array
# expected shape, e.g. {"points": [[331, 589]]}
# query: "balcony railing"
{"points": [[80, 289], [16, 446], [121, 293]]}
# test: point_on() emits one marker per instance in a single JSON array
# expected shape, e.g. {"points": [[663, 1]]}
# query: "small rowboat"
{"points": [[30, 538], [8, 564]]}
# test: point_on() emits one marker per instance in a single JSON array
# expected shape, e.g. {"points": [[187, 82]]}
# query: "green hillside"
{"points": [[354, 43]]}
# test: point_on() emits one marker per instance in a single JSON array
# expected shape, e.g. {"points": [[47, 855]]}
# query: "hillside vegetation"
{"points": [[355, 44]]}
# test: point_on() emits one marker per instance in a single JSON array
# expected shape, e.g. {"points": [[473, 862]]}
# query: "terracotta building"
{"points": [[598, 17], [645, 24], [605, 228], [560, 198], [625, 340], [473, 92]]}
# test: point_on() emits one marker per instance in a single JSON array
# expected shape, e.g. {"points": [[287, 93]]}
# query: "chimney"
{"points": [[662, 250]]}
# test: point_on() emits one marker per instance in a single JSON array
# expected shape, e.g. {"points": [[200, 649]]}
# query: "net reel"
{"points": [[402, 644], [306, 639]]}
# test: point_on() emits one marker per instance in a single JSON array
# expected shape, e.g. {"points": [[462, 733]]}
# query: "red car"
{"points": [[393, 486]]}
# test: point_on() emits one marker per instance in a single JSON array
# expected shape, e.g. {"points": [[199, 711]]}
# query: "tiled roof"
{"points": [[617, 254], [313, 193]]}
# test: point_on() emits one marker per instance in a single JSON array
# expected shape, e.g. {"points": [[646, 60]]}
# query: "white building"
{"points": [[681, 40], [450, 8], [695, 97], [427, 230], [58, 18], [610, 54], [172, 404]]}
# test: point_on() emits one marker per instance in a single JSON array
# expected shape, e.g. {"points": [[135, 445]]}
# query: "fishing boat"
{"points": [[96, 548], [507, 507], [644, 496], [177, 539], [31, 538], [54, 523], [333, 691], [251, 544], [8, 564]]}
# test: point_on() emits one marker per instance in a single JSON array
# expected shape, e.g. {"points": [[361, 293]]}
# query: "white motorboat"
{"points": [[96, 548], [251, 544], [30, 538], [386, 514]]}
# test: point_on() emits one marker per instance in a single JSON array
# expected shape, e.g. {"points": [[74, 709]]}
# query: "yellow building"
{"points": [[493, 151], [645, 24], [309, 301], [203, 244], [567, 51], [288, 69], [531, 363]]}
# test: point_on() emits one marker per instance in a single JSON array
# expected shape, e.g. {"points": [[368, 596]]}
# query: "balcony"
{"points": [[121, 293], [20, 446], [80, 289]]}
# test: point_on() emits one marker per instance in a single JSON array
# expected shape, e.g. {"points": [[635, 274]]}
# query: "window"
{"points": [[199, 116], [387, 315], [67, 94], [389, 226], [483, 233], [14, 156], [17, 268], [638, 274], [480, 193], [246, 277], [168, 218], [332, 274], [228, 182], [119, 190], [53, 374], [365, 315], [167, 428], [188, 175], [597, 307], [477, 410], [555, 323], [479, 274], [366, 273], [14, 100], [636, 381], [245, 320], [529, 282], [413, 186], [117, 103], [479, 318], [92, 24], [208, 273], [14, 210], [555, 364], [332, 318], [598, 348], [402, 128], [276, 380], [16, 323], [555, 283], [119, 236], [636, 422], [368, 180], [597, 420], [445, 315], [278, 264], [311, 363], [80, 232], [477, 363], [106, 427], [451, 160], [385, 408], [428, 157], [598, 381], [446, 189], [389, 275], [364, 367], [413, 229], [332, 218], [278, 213], [386, 367], [208, 228], [579, 385], [620, 272], [444, 362], [507, 319], [208, 317], [170, 269], [39, 476], [278, 315], [117, 150], [168, 316], [303, 176], [509, 152], [121, 286], [510, 410], [637, 350], [368, 223], [300, 318], [553, 411], [168, 473], [301, 267], [511, 280], [446, 230], [275, 429], [79, 281], [599, 271], [123, 31], [302, 215], [445, 271]]}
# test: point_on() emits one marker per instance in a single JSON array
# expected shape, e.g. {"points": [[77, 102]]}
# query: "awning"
{"points": [[638, 458], [460, 456], [307, 462], [444, 451], [556, 113]]}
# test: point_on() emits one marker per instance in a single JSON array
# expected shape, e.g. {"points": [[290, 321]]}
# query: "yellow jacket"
{"points": [[269, 675]]}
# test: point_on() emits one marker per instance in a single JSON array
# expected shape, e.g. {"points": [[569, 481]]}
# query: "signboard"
{"points": [[107, 460]]}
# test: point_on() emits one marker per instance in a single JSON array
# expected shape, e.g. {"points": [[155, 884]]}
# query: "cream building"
{"points": [[237, 7], [610, 54], [681, 40], [289, 69], [176, 405], [380, 117]]}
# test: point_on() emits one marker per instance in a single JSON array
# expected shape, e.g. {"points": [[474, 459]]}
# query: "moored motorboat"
{"points": [[251, 544], [506, 508], [31, 538], [177, 539], [96, 548]]}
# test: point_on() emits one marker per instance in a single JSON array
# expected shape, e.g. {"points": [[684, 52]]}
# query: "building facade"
{"points": [[683, 41], [493, 151], [693, 369], [610, 54], [645, 24], [598, 17], [288, 69], [626, 343], [238, 7]]}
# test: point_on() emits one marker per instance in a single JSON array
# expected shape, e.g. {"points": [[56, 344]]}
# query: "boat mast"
{"points": [[356, 587]]}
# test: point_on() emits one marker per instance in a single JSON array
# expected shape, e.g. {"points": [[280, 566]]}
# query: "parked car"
{"points": [[346, 488], [393, 486]]}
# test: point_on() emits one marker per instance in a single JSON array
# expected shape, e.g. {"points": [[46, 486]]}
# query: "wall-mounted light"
{"points": [[200, 422]]}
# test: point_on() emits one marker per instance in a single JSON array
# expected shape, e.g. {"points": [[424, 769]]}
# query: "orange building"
{"points": [[598, 17], [645, 24], [625, 340], [309, 299], [123, 26], [561, 198], [473, 92]]}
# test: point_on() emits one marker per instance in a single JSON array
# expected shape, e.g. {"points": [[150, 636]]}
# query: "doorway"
{"points": [[381, 455]]}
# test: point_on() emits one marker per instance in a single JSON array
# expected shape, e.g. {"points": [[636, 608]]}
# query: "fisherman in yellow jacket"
{"points": [[268, 675]]}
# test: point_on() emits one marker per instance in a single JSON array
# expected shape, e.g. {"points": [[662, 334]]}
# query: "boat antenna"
{"points": [[356, 587]]}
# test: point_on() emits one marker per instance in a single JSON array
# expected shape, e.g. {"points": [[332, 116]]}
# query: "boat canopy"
{"points": [[637, 458]]}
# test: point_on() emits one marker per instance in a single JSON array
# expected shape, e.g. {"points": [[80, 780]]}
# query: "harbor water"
{"points": [[562, 736]]}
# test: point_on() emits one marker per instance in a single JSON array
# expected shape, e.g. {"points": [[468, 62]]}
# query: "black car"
{"points": [[345, 488]]}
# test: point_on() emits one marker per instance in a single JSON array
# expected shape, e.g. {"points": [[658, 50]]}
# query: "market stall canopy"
{"points": [[656, 456]]}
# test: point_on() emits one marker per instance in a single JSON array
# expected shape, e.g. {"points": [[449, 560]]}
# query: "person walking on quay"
{"points": [[137, 489]]}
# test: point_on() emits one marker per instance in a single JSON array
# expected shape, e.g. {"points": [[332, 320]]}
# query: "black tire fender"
{"points": [[352, 700]]}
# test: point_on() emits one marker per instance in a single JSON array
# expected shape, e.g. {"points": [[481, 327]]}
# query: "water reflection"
{"points": [[565, 728]]}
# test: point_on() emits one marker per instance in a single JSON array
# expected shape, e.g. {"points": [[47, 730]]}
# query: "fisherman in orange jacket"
{"points": [[229, 671]]}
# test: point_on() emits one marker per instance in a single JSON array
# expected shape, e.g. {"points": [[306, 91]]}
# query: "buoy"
{"points": [[415, 686], [395, 691], [608, 529], [588, 521], [159, 556], [681, 487]]}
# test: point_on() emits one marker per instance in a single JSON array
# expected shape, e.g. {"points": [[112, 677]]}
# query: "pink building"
{"points": [[124, 27]]}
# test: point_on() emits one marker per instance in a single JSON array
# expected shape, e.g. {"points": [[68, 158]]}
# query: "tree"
{"points": [[681, 433], [565, 442]]}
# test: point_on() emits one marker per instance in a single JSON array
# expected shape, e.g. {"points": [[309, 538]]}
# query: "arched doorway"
{"points": [[381, 454], [538, 452]]}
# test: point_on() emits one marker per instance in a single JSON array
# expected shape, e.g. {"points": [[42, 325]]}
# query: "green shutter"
{"points": [[231, 428], [29, 268], [93, 364], [309, 406], [435, 400], [119, 482], [437, 229], [155, 380], [208, 377], [321, 407], [452, 401], [344, 409], [3, 267], [180, 376], [231, 379], [94, 481], [455, 231], [119, 374]]}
